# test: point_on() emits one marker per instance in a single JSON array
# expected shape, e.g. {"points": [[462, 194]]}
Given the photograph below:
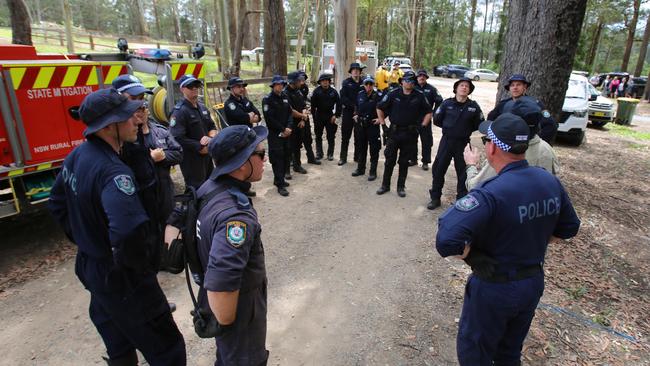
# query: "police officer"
{"points": [[350, 88], [238, 108], [407, 108], [193, 128], [394, 76], [326, 108], [458, 117], [368, 124], [518, 85], [381, 78], [277, 114], [230, 247], [539, 152], [160, 145], [300, 116], [501, 229], [426, 135], [94, 199]]}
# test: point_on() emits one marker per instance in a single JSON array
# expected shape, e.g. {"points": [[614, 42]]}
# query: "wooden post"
{"points": [[61, 38], [90, 40], [45, 34]]}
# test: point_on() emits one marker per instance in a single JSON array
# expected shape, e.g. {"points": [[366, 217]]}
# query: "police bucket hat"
{"points": [[324, 77], [129, 84], [105, 107], [188, 80], [233, 146], [516, 77], [423, 72], [507, 131], [236, 81], [277, 79], [471, 84], [295, 76], [356, 65]]}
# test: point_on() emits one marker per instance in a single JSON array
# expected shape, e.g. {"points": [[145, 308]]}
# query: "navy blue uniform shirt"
{"points": [[458, 120], [404, 110], [95, 200], [277, 112], [367, 104], [297, 99], [510, 217], [188, 124], [237, 110], [325, 103], [349, 91], [431, 93], [547, 126]]}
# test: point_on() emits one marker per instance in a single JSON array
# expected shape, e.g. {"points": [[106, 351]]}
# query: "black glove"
{"points": [[174, 257], [482, 265]]}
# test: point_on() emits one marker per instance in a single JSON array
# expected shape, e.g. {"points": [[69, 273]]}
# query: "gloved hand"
{"points": [[482, 265], [174, 257]]}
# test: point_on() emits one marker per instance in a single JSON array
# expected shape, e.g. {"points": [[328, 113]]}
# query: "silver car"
{"points": [[482, 74]]}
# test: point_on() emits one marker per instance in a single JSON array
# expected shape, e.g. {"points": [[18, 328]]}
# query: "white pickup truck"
{"points": [[250, 55]]}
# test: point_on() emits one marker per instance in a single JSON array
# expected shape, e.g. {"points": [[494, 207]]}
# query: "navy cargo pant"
{"points": [[130, 312], [280, 157], [402, 141], [369, 136], [244, 342], [426, 140], [347, 128], [323, 123], [449, 148], [495, 320]]}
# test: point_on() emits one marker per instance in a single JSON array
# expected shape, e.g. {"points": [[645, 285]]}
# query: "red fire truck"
{"points": [[36, 129]]}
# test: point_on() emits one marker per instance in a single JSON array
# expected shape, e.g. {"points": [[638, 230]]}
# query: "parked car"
{"points": [[249, 55], [597, 80], [636, 86], [390, 60], [455, 71], [482, 74], [439, 70], [573, 120], [601, 110], [405, 67]]}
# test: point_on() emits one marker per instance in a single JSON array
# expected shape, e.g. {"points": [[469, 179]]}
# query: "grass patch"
{"points": [[628, 132], [576, 292]]}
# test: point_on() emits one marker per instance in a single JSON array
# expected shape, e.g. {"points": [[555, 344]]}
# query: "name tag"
{"points": [[471, 109]]}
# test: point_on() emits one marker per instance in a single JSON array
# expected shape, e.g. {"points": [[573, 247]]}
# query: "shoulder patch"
{"points": [[265, 107], [232, 106], [236, 233], [172, 122], [467, 203], [546, 114], [125, 184]]}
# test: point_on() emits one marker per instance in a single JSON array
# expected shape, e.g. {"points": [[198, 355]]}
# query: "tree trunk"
{"points": [[232, 23], [141, 24], [540, 44], [483, 36], [217, 34], [318, 39], [21, 30], [301, 34], [156, 16], [345, 37], [67, 16], [275, 39], [177, 28], [244, 26], [643, 50], [631, 28], [39, 17], [470, 33], [503, 24], [253, 36], [225, 36], [646, 91], [591, 56]]}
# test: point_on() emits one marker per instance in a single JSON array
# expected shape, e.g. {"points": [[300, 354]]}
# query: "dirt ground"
{"points": [[354, 278]]}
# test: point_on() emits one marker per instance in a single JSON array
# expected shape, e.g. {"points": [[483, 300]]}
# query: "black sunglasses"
{"points": [[485, 139], [260, 153]]}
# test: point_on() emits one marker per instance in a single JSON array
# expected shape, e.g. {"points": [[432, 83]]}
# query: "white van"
{"points": [[574, 118]]}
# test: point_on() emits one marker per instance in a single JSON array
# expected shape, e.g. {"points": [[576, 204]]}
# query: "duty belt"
{"points": [[516, 275], [412, 128]]}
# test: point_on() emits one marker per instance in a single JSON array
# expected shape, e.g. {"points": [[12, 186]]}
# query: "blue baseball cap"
{"points": [[129, 84], [105, 107], [233, 146], [277, 79], [516, 77], [409, 77], [506, 131], [187, 80], [368, 80]]}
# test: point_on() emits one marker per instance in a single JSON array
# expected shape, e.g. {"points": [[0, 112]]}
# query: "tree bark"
{"points": [[232, 23], [345, 37], [254, 21], [503, 24], [470, 33], [593, 48], [67, 16], [156, 16], [541, 43], [275, 39], [177, 28], [483, 36], [643, 50], [141, 24], [301, 34], [631, 28], [225, 36], [21, 30], [236, 63], [318, 39]]}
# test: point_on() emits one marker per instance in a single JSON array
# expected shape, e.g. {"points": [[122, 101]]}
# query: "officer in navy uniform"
{"points": [[426, 135], [502, 229], [300, 120], [230, 247], [326, 108], [95, 200], [517, 86], [193, 128], [160, 146], [458, 117], [238, 108], [307, 138], [368, 124], [350, 88], [407, 109], [277, 114]]}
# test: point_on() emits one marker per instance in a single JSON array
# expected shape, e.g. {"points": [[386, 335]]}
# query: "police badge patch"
{"points": [[125, 184], [172, 122], [546, 114], [467, 203], [266, 108], [232, 106], [236, 233]]}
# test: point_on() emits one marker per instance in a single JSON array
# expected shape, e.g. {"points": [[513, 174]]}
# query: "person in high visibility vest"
{"points": [[395, 75], [381, 78]]}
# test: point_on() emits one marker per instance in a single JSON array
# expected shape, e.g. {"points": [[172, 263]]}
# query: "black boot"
{"points": [[359, 171], [299, 169], [385, 185], [319, 149], [372, 174], [330, 151], [283, 191], [434, 203], [311, 159], [129, 359], [344, 153]]}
